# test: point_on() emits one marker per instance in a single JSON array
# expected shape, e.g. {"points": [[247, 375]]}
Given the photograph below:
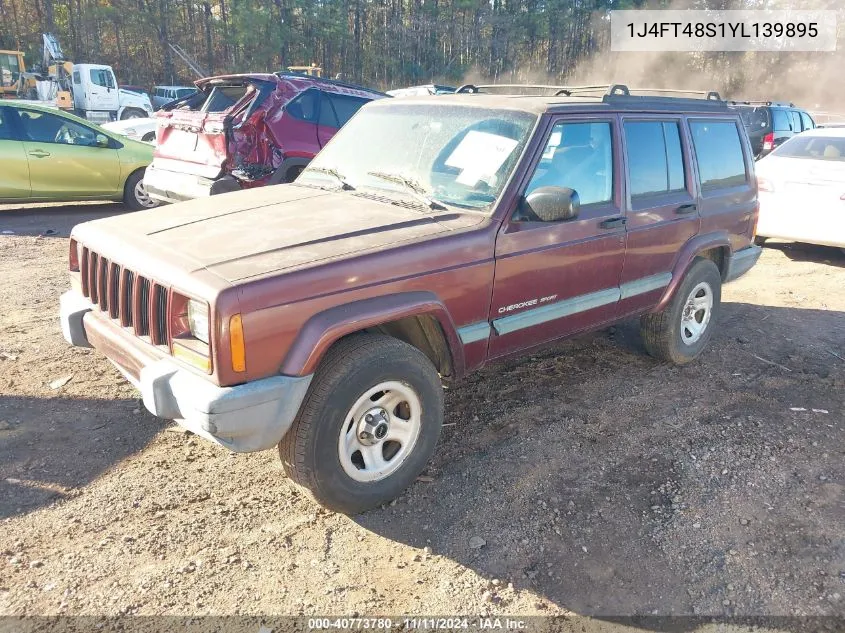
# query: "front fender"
{"points": [[325, 328], [687, 254]]}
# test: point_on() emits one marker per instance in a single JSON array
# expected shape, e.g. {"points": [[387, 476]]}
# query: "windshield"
{"points": [[447, 154], [818, 147]]}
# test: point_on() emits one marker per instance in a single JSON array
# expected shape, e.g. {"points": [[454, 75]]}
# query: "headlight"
{"points": [[198, 320]]}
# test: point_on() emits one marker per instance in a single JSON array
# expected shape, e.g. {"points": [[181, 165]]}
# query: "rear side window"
{"points": [[346, 106], [781, 120], [7, 132], [77, 78], [719, 152], [184, 92], [305, 107], [795, 119], [655, 161], [328, 118]]}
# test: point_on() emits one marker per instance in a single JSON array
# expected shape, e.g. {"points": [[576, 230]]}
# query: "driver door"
{"points": [[557, 278], [64, 159]]}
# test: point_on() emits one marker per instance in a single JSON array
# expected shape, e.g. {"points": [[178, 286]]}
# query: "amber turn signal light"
{"points": [[236, 343]]}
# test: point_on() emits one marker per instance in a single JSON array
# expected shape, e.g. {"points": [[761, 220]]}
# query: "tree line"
{"points": [[390, 43]]}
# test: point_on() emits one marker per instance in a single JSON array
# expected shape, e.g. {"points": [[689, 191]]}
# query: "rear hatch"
{"points": [[200, 134], [757, 121]]}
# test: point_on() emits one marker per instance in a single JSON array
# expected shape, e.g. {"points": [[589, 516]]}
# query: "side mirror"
{"points": [[102, 140], [553, 204]]}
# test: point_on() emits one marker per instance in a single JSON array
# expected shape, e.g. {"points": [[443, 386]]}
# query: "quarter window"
{"points": [[578, 156], [655, 161], [346, 106], [718, 149]]}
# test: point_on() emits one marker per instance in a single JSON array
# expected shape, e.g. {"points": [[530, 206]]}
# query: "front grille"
{"points": [[134, 301]]}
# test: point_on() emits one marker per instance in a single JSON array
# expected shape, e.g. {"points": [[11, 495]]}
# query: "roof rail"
{"points": [[783, 104], [608, 90]]}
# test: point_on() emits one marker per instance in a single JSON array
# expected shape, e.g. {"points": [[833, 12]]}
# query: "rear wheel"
{"points": [[681, 331], [293, 173], [149, 137], [759, 241], [368, 425], [134, 195]]}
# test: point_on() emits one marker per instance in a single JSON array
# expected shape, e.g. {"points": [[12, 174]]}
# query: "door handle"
{"points": [[39, 153], [686, 208], [613, 223]]}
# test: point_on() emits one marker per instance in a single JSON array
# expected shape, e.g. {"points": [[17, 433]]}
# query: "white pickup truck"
{"points": [[97, 98]]}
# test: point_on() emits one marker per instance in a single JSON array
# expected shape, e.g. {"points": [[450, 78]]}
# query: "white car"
{"points": [[136, 129], [802, 189]]}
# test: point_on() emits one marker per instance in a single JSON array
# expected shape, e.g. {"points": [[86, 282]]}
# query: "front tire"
{"points": [[134, 195], [368, 425], [132, 113], [681, 332]]}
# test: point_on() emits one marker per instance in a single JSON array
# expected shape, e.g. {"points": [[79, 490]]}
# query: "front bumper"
{"points": [[250, 417], [164, 185], [742, 261]]}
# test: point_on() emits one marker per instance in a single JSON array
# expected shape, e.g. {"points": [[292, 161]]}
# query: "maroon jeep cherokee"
{"points": [[242, 131], [321, 316]]}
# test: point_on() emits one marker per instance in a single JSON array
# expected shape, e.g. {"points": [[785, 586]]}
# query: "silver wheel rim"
{"points": [[380, 431], [141, 195], [696, 314]]}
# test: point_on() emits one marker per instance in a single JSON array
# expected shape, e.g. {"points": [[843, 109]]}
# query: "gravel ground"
{"points": [[586, 479]]}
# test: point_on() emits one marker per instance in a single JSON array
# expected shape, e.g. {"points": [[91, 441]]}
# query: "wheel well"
{"points": [[426, 334], [719, 256], [293, 172]]}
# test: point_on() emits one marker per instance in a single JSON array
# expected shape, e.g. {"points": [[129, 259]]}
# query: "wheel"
{"points": [[293, 173], [149, 137], [681, 331], [133, 113], [759, 241], [134, 195], [367, 426]]}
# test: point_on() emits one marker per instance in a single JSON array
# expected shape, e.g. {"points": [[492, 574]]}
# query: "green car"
{"points": [[47, 155]]}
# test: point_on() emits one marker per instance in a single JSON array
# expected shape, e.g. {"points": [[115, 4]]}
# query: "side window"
{"points": [[780, 120], [806, 121], [580, 156], [655, 161], [304, 107], [100, 77], [796, 120], [77, 78], [328, 117], [7, 130], [42, 127], [719, 152], [345, 107], [159, 92]]}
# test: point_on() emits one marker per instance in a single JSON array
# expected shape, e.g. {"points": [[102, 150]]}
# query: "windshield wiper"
{"points": [[414, 188], [331, 171]]}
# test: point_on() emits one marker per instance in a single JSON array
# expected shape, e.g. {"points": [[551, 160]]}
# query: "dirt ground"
{"points": [[599, 481]]}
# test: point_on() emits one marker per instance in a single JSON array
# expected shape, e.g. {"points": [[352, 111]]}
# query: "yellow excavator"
{"points": [[11, 67], [52, 83]]}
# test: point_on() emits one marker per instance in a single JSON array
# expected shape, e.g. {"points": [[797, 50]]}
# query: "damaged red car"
{"points": [[243, 131]]}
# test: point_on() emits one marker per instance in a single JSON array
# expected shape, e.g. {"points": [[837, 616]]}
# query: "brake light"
{"points": [[769, 141], [73, 257], [764, 184]]}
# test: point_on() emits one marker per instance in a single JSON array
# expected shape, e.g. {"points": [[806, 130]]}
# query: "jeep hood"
{"points": [[247, 234]]}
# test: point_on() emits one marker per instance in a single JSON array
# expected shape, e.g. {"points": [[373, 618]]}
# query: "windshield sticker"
{"points": [[479, 155]]}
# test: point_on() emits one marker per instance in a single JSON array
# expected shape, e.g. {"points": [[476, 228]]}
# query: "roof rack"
{"points": [[783, 104], [607, 90]]}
